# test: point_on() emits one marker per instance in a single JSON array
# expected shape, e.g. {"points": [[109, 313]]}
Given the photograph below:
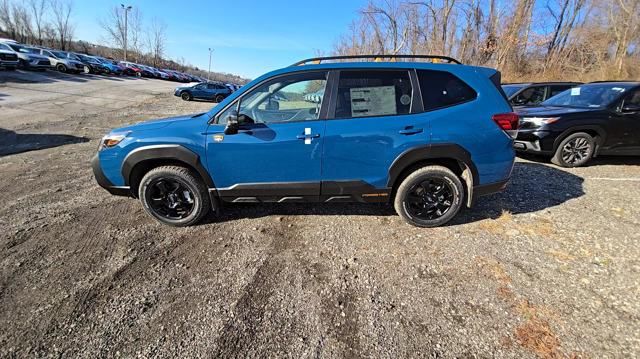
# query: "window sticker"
{"points": [[373, 101], [575, 91]]}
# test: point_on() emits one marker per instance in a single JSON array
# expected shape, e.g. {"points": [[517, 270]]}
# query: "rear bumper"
{"points": [[535, 141], [490, 188], [104, 182]]}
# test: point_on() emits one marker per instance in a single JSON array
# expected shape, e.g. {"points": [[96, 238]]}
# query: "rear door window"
{"points": [[366, 93], [443, 89], [530, 96]]}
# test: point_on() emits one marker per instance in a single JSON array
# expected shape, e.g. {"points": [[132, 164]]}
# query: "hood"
{"points": [[155, 124], [551, 110]]}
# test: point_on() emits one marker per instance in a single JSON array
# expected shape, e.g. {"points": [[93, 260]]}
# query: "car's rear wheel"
{"points": [[219, 98], [429, 197], [575, 150], [86, 70], [186, 96], [174, 196], [61, 68]]}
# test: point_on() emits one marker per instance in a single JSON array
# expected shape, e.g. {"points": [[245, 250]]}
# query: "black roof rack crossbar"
{"points": [[318, 60]]}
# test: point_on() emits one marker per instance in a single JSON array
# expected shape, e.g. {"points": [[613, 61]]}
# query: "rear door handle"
{"points": [[410, 131]]}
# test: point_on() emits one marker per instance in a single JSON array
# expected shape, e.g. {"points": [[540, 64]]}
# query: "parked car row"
{"points": [[572, 122], [15, 55]]}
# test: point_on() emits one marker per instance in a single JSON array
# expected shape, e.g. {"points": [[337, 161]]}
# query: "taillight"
{"points": [[508, 122]]}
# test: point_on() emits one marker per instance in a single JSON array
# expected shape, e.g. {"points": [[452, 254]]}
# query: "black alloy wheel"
{"points": [[430, 199], [170, 198], [429, 196], [174, 195]]}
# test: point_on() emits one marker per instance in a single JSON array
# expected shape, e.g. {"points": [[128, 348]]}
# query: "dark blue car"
{"points": [[427, 137], [203, 91]]}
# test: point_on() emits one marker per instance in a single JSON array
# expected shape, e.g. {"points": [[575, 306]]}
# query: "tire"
{"points": [[575, 150], [138, 74], [86, 70], [106, 72], [437, 193], [219, 98], [186, 96], [176, 181], [61, 68]]}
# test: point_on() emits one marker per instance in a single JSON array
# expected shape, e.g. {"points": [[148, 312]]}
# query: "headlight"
{"points": [[539, 121], [112, 140]]}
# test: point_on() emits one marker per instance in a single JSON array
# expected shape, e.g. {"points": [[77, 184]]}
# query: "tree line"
{"points": [[49, 23], [528, 40]]}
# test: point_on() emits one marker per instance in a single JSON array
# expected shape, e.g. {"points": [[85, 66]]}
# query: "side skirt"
{"points": [[283, 192]]}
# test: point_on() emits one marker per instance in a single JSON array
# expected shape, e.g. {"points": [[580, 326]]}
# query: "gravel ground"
{"points": [[547, 269]]}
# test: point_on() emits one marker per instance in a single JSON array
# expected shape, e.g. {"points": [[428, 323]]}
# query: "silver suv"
{"points": [[63, 61], [27, 58]]}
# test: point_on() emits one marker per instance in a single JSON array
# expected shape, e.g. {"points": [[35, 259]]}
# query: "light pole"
{"points": [[209, 73], [126, 12]]}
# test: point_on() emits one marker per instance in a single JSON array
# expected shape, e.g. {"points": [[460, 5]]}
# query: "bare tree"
{"points": [[38, 9], [156, 40], [61, 22], [113, 25]]}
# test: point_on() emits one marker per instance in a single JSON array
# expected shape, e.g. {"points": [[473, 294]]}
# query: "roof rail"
{"points": [[602, 81], [318, 60]]}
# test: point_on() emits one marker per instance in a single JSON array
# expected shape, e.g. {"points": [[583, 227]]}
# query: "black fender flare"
{"points": [[164, 152], [598, 129], [449, 151]]}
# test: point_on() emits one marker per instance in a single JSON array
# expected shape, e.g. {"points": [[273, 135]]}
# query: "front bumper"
{"points": [[8, 63], [104, 182], [39, 64]]}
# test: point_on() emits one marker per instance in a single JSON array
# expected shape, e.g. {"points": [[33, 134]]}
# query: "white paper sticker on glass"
{"points": [[373, 101]]}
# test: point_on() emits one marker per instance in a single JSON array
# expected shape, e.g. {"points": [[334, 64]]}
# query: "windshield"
{"points": [[588, 96], [510, 90]]}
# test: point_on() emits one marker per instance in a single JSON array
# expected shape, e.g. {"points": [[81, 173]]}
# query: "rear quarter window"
{"points": [[443, 89]]}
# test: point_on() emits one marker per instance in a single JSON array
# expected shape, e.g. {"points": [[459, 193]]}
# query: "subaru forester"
{"points": [[427, 134]]}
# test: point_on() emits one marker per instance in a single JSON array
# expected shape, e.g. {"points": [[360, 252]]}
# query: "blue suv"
{"points": [[427, 136], [203, 91]]}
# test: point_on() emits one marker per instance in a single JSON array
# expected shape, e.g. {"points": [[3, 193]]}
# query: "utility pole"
{"points": [[209, 73], [126, 12]]}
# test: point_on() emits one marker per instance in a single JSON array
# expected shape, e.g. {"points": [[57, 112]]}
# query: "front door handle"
{"points": [[410, 131], [304, 137]]}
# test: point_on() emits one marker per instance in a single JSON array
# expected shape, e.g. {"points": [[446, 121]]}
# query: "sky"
{"points": [[249, 37]]}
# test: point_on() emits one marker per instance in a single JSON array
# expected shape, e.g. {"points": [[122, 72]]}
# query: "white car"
{"points": [[8, 58]]}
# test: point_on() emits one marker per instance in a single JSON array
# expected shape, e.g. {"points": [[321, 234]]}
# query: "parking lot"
{"points": [[549, 268]]}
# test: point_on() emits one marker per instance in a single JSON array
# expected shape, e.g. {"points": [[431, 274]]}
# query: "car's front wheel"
{"points": [[219, 98], [174, 196], [575, 150], [429, 197], [186, 96], [61, 68]]}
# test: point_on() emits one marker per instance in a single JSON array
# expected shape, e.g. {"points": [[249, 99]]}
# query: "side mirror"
{"points": [[232, 125], [630, 108]]}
